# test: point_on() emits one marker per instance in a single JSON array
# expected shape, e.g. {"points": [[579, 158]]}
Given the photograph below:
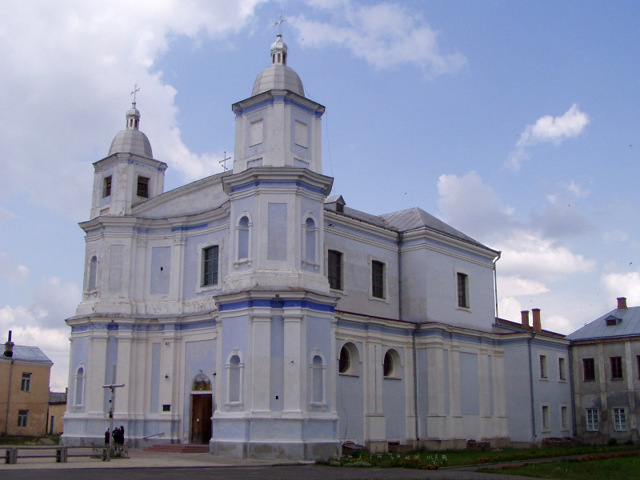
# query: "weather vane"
{"points": [[135, 90], [279, 22]]}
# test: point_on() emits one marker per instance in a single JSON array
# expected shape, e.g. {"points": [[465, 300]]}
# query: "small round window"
{"points": [[345, 360], [348, 362]]}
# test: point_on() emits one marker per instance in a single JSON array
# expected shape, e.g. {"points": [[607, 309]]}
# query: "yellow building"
{"points": [[24, 390], [57, 407]]}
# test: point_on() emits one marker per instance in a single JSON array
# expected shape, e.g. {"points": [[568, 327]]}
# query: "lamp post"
{"points": [[8, 353], [111, 387]]}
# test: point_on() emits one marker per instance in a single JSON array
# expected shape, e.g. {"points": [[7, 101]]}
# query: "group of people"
{"points": [[118, 437]]}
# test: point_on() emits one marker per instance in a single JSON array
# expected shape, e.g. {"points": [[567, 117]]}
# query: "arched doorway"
{"points": [[201, 409]]}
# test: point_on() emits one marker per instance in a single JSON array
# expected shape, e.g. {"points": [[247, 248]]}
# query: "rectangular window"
{"points": [[638, 364], [546, 418], [562, 368], [543, 366], [588, 369], [593, 420], [377, 279], [619, 419], [23, 418], [335, 269], [463, 290], [106, 186], [25, 384], [616, 368], [143, 187], [564, 417], [210, 266]]}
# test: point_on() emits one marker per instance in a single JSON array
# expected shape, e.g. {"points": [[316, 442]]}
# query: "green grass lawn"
{"points": [[612, 468]]}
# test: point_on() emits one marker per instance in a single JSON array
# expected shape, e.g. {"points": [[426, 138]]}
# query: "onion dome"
{"points": [[131, 140], [278, 76]]}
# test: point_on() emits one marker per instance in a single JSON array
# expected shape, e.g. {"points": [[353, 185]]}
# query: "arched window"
{"points": [[79, 387], [349, 360], [392, 367], [243, 238], [93, 273], [310, 241], [234, 379], [317, 380]]}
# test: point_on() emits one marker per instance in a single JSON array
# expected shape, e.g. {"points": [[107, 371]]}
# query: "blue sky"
{"points": [[516, 122]]}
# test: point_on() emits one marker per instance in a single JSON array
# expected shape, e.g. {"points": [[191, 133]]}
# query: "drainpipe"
{"points": [[574, 425], [495, 282]]}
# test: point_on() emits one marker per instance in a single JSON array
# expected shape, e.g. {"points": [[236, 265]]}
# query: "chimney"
{"points": [[525, 319], [622, 303], [8, 347], [537, 325]]}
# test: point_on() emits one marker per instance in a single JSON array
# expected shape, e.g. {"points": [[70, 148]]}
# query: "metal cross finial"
{"points": [[135, 90], [224, 161], [280, 22]]}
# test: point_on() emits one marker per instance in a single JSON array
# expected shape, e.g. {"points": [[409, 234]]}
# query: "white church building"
{"points": [[254, 312]]}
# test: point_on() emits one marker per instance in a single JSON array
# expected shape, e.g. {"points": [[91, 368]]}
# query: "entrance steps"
{"points": [[179, 448]]}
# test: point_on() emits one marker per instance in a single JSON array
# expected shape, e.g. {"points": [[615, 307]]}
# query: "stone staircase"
{"points": [[179, 448]]}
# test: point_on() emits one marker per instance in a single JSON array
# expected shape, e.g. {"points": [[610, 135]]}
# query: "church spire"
{"points": [[133, 115]]}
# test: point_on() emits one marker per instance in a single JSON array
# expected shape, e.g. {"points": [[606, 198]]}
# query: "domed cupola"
{"points": [[131, 140], [278, 76]]}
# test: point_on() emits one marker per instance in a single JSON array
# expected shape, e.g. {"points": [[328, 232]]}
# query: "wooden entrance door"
{"points": [[201, 411]]}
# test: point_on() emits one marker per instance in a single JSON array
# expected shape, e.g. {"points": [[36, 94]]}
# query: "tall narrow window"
{"points": [[377, 279], [210, 266], [593, 419], [564, 417], [546, 418], [619, 419], [317, 378], [106, 186], [310, 241], [25, 384], [143, 187], [243, 238], [638, 364], [93, 273], [543, 366], [79, 387], [562, 368], [616, 368], [588, 369], [23, 418], [235, 379], [335, 269], [463, 290]]}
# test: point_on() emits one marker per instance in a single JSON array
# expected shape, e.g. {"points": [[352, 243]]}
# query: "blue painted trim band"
{"points": [[275, 183], [266, 303], [186, 228]]}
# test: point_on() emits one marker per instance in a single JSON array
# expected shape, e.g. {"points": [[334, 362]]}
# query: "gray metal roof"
{"points": [[30, 354], [278, 77], [57, 397], [131, 141], [623, 322], [415, 218]]}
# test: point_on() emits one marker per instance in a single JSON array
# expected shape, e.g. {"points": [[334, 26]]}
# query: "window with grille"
{"points": [[335, 269], [106, 186], [463, 290], [616, 368], [377, 279], [543, 366], [23, 418], [619, 419], [25, 384], [143, 187], [210, 266], [593, 419], [562, 368], [588, 369]]}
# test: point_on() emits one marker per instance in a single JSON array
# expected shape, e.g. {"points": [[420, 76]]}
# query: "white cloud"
{"points": [[10, 272], [515, 285], [623, 285], [548, 129], [384, 35], [110, 46]]}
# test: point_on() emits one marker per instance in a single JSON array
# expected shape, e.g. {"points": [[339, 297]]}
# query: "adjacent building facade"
{"points": [[252, 311], [24, 390], [606, 381]]}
